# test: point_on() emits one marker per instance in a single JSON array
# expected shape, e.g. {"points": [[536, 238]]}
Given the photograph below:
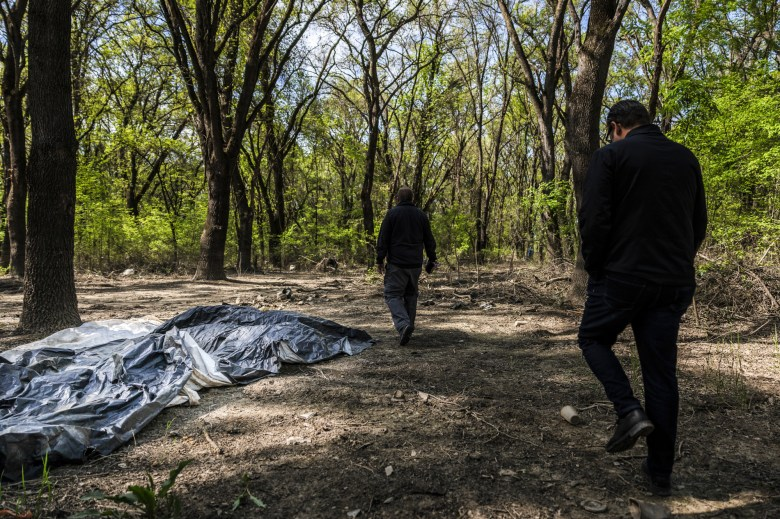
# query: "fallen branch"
{"points": [[555, 280], [761, 327], [211, 442], [760, 281]]}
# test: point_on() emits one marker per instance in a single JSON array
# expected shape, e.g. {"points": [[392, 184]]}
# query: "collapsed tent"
{"points": [[92, 388]]}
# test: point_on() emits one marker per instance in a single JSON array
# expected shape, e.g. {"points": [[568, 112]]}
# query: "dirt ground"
{"points": [[462, 422]]}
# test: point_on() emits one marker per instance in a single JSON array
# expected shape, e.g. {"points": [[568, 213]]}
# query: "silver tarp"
{"points": [[90, 389]]}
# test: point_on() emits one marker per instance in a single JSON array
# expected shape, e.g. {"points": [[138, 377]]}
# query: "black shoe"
{"points": [[406, 334], [658, 486], [628, 430]]}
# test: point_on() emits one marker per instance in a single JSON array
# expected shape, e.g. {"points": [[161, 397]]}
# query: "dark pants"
{"points": [[654, 313], [401, 291]]}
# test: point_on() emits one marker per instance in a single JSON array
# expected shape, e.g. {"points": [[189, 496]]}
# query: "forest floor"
{"points": [[462, 422]]}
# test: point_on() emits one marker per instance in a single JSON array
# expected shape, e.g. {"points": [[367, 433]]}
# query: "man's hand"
{"points": [[430, 266], [380, 267]]}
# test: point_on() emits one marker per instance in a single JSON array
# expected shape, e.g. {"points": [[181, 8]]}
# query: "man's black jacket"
{"points": [[643, 211], [404, 232]]}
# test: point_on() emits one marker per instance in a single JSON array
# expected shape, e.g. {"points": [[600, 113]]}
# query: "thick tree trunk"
{"points": [[49, 285], [211, 264], [582, 130]]}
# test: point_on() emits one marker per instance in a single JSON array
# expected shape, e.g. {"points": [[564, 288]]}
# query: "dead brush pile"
{"points": [[738, 290]]}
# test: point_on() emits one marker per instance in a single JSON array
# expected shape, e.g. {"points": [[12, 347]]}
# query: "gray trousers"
{"points": [[401, 291]]}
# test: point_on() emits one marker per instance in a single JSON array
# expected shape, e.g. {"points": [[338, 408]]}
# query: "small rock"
{"points": [[353, 513], [128, 272], [643, 510], [398, 395], [424, 396], [389, 470], [591, 505], [308, 415]]}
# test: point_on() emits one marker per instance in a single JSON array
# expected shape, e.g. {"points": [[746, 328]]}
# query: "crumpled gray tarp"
{"points": [[92, 396]]}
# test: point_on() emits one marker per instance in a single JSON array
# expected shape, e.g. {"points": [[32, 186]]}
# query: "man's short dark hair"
{"points": [[628, 114], [405, 194]]}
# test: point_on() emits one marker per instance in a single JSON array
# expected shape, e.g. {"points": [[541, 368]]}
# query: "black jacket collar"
{"points": [[646, 129]]}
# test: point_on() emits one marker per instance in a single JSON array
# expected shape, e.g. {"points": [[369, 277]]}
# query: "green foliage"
{"points": [[454, 232], [148, 500], [29, 500], [735, 133], [246, 496]]}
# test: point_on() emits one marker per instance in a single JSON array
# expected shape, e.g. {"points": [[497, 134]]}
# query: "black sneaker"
{"points": [[406, 334], [658, 486], [628, 430]]}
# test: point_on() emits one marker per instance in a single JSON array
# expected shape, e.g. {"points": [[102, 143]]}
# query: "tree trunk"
{"points": [[245, 223], [366, 202], [49, 286], [5, 247], [13, 98], [211, 264], [582, 130]]}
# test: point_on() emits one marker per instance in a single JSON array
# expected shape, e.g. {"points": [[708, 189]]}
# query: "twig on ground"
{"points": [[773, 301], [211, 442], [555, 280], [695, 311], [363, 467], [595, 404], [761, 327]]}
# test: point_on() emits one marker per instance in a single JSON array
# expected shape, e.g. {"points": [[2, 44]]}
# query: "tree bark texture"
{"points": [[585, 104], [13, 122], [49, 286]]}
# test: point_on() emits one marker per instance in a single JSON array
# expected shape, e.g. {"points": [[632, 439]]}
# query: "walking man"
{"points": [[642, 219], [404, 233]]}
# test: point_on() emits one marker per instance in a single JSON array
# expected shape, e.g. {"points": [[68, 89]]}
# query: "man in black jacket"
{"points": [[404, 233], [642, 219]]}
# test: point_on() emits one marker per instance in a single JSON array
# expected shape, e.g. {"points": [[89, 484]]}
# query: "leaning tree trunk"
{"points": [[582, 130], [49, 285]]}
